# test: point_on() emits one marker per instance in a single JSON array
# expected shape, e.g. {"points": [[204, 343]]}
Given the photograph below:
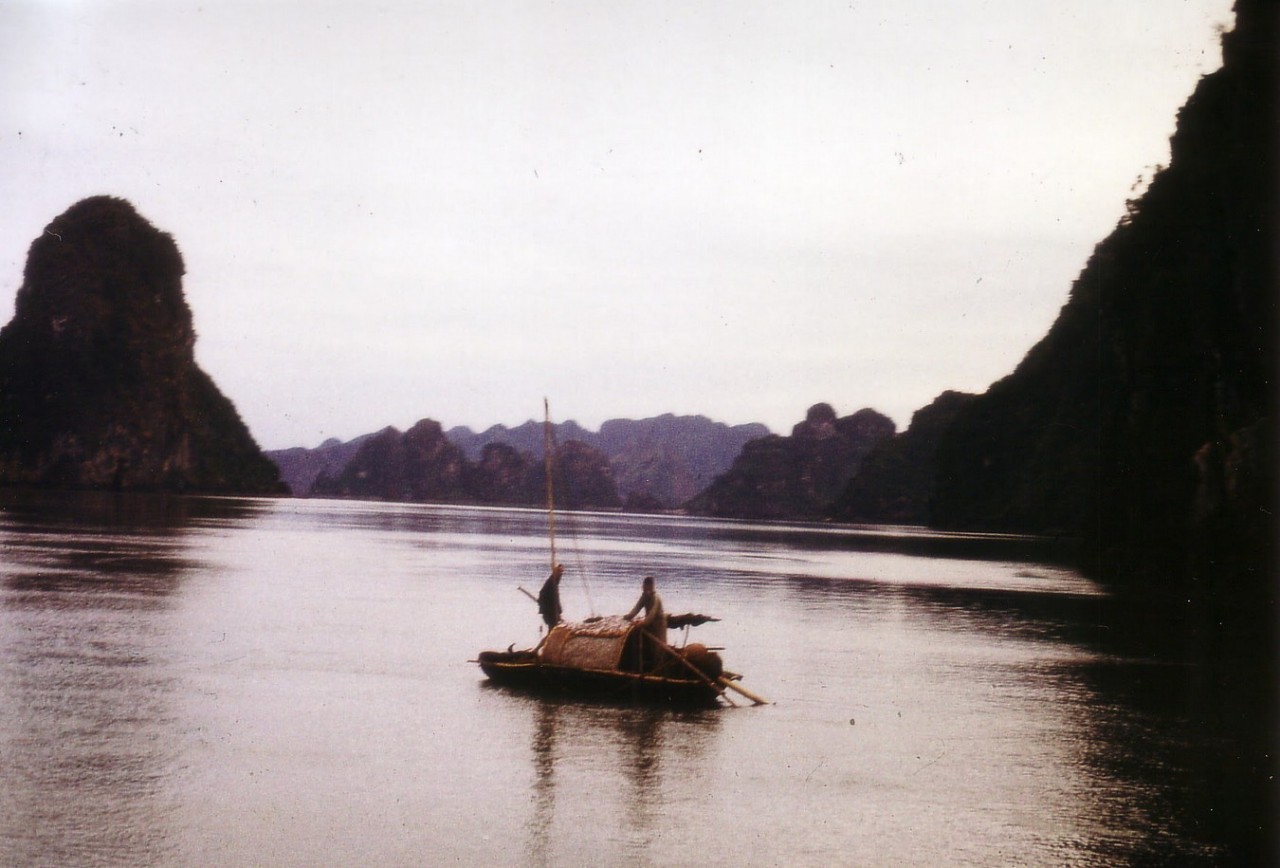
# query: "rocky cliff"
{"points": [[798, 476], [1144, 420], [98, 382]]}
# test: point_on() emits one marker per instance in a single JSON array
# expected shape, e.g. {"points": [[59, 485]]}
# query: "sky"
{"points": [[394, 210]]}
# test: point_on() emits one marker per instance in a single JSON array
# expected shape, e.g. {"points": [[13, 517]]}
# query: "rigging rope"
{"points": [[550, 451], [548, 460]]}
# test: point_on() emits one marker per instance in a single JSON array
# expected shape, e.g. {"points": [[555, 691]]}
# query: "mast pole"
{"points": [[547, 465]]}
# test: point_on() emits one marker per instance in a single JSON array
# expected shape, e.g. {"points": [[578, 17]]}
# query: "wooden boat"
{"points": [[612, 659]]}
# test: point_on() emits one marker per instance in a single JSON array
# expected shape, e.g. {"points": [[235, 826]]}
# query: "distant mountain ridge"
{"points": [[661, 461], [422, 465], [655, 463]]}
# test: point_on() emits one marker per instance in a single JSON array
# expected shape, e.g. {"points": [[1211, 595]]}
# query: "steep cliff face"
{"points": [[895, 483], [98, 382], [1144, 420], [798, 476]]}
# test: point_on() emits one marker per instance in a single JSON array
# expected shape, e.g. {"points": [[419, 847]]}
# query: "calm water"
{"points": [[235, 682]]}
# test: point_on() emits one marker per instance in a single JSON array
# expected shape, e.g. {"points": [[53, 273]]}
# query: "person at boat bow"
{"points": [[654, 622], [549, 597]]}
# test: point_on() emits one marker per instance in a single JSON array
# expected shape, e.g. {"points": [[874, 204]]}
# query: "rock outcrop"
{"points": [[503, 475], [417, 465], [99, 388], [798, 476], [583, 479], [895, 483]]}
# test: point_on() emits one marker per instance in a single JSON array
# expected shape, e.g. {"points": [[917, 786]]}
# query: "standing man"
{"points": [[549, 597], [655, 619]]}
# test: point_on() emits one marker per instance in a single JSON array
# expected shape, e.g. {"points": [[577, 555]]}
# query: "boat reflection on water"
{"points": [[659, 755]]}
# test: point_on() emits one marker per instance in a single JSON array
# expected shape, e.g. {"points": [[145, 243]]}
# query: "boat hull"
{"points": [[526, 672]]}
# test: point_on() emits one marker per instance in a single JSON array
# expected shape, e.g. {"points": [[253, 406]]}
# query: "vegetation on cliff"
{"points": [[99, 387]]}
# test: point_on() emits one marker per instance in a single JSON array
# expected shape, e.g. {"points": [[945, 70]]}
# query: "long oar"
{"points": [[706, 679], [733, 685], [720, 682]]}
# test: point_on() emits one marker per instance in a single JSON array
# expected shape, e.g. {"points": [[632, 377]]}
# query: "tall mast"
{"points": [[547, 464]]}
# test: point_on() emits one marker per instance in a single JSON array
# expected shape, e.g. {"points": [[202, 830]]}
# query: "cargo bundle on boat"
{"points": [[612, 658]]}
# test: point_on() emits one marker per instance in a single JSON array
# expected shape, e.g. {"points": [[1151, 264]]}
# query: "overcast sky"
{"points": [[397, 210]]}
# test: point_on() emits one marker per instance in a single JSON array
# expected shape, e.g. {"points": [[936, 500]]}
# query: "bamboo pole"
{"points": [[684, 660], [732, 685], [718, 682]]}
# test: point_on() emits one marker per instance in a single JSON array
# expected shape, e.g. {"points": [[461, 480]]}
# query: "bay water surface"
{"points": [[205, 681]]}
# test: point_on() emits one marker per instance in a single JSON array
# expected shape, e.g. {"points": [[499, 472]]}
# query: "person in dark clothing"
{"points": [[549, 597]]}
